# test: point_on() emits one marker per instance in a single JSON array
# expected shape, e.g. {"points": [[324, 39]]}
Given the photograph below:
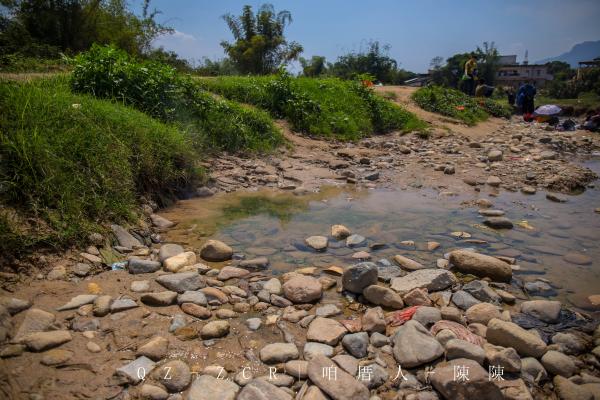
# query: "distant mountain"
{"points": [[584, 51]]}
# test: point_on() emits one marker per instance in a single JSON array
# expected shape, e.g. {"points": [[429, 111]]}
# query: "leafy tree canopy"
{"points": [[260, 46]]}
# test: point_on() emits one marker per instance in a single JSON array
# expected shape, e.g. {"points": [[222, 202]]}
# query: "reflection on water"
{"points": [[275, 225]]}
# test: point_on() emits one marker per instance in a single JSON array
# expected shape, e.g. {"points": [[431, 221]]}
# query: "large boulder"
{"points": [[476, 386], [414, 345], [302, 289], [359, 276], [431, 279], [215, 250], [481, 265], [343, 387], [508, 334]]}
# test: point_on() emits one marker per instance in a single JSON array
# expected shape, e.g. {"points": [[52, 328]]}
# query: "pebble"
{"points": [[325, 330], [159, 299], [414, 345], [216, 251], [356, 344], [318, 243], [509, 334], [215, 329], [302, 289], [274, 353]]}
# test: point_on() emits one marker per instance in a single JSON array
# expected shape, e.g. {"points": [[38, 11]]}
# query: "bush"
{"points": [[71, 162], [159, 91], [320, 107], [456, 104], [108, 72]]}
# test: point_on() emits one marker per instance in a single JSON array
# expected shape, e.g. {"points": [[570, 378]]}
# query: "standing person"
{"points": [[470, 75], [510, 94], [527, 94]]}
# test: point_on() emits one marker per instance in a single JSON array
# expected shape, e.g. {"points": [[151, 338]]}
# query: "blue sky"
{"points": [[416, 30]]}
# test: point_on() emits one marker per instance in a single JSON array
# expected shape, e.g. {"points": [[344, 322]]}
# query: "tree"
{"points": [[561, 70], [436, 62], [451, 73], [374, 61], [487, 62], [260, 46], [71, 26], [216, 68], [316, 66]]}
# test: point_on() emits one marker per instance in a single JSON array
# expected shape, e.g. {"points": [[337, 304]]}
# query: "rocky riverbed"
{"points": [[351, 306]]}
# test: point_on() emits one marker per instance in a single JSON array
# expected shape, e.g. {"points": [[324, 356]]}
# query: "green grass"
{"points": [[329, 108], [72, 162], [16, 63], [456, 104]]}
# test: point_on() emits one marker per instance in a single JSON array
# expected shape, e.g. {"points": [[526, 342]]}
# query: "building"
{"points": [[510, 73]]}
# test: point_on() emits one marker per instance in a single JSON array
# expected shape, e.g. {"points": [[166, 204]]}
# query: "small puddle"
{"points": [[275, 224]]}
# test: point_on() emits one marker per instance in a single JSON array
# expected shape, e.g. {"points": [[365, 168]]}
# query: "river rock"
{"points": [[122, 305], [260, 389], [40, 341], [318, 243], [140, 286], [78, 301], [359, 276], [216, 251], [274, 353], [302, 289], [196, 310], [161, 222], [141, 266], [493, 181], [509, 334], [457, 348], [156, 349], [124, 238], [153, 392], [414, 345], [427, 316], [577, 258], [344, 387], [464, 300], [297, 368], [102, 305], [14, 305], [568, 390], [35, 320], [207, 387], [407, 263], [498, 223], [340, 232], [192, 296], [255, 264], [181, 282], [214, 329], [482, 313], [355, 240], [178, 262], [478, 385], [159, 299], [558, 363], [544, 310], [373, 320], [325, 330], [383, 296], [356, 344], [174, 375], [481, 265], [482, 291], [169, 250], [431, 279], [56, 356], [229, 272], [214, 295], [312, 349], [505, 357], [532, 370], [494, 155], [136, 369], [570, 343]]}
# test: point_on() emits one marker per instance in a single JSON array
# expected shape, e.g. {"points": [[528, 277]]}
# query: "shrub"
{"points": [[159, 91], [71, 162], [456, 104]]}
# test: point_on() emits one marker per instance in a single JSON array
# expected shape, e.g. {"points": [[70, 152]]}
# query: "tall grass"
{"points": [[320, 107], [71, 162]]}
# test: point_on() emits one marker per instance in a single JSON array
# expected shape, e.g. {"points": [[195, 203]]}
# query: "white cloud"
{"points": [[184, 44]]}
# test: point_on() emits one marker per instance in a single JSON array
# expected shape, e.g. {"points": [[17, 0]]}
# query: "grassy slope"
{"points": [[66, 169], [455, 104], [320, 107]]}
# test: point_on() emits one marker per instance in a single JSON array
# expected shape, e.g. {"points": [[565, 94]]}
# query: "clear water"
{"points": [[275, 224]]}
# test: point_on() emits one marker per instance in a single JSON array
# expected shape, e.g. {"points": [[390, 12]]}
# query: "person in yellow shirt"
{"points": [[470, 75]]}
